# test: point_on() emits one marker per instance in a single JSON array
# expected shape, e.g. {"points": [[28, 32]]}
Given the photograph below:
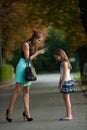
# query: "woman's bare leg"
{"points": [[26, 101], [16, 91]]}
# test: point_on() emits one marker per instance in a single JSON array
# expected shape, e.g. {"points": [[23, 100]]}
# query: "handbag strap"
{"points": [[29, 56], [28, 61]]}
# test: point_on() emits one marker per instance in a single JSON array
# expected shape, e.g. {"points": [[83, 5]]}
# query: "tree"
{"points": [[16, 24], [83, 49]]}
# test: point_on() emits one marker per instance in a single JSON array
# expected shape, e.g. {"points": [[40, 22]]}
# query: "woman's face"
{"points": [[37, 41]]}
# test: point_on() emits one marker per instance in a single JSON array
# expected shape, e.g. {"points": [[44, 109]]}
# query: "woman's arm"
{"points": [[37, 53], [27, 53], [26, 50]]}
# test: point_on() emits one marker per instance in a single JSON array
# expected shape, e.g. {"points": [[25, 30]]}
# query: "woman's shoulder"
{"points": [[25, 45]]}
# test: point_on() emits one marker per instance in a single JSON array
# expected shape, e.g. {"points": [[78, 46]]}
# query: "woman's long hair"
{"points": [[36, 34]]}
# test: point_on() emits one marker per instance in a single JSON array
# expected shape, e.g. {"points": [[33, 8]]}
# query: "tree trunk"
{"points": [[83, 50], [82, 58], [0, 54], [83, 13]]}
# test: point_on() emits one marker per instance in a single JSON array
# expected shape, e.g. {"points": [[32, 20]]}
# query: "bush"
{"points": [[6, 73]]}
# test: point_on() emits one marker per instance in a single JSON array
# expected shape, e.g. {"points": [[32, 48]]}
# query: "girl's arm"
{"points": [[65, 65]]}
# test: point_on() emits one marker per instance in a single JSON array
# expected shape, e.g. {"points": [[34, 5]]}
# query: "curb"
{"points": [[6, 84], [83, 88]]}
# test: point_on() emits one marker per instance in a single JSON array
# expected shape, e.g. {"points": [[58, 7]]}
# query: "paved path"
{"points": [[46, 105]]}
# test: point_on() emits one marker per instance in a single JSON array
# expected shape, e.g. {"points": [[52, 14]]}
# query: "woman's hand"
{"points": [[37, 53], [41, 51]]}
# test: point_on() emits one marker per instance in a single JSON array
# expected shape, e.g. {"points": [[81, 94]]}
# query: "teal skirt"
{"points": [[20, 70]]}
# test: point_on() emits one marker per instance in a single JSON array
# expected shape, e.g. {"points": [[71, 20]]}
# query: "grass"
{"points": [[84, 87], [78, 78], [78, 75]]}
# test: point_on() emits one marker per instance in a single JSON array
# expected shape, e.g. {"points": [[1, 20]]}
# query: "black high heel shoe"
{"points": [[28, 118], [7, 118]]}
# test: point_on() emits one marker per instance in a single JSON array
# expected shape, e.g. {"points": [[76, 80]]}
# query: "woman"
{"points": [[29, 50], [66, 84]]}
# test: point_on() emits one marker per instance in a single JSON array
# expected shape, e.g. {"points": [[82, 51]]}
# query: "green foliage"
{"points": [[15, 59], [78, 75], [54, 41], [6, 73], [46, 62]]}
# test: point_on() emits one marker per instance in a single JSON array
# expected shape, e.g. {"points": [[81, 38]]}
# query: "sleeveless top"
{"points": [[68, 77], [30, 50]]}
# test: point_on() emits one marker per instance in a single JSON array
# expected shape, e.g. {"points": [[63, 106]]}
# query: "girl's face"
{"points": [[58, 58], [37, 41]]}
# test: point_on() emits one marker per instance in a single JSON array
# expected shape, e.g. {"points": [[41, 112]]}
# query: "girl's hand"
{"points": [[60, 87]]}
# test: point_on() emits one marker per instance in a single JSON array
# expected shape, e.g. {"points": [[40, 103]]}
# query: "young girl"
{"points": [[66, 84]]}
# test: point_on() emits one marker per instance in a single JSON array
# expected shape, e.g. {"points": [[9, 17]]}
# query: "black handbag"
{"points": [[30, 73]]}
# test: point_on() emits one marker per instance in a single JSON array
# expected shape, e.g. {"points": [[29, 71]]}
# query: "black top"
{"points": [[30, 49]]}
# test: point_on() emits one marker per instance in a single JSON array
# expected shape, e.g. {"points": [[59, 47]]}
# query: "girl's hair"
{"points": [[63, 55]]}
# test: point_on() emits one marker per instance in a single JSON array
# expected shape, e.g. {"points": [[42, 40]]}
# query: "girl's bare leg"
{"points": [[67, 101]]}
